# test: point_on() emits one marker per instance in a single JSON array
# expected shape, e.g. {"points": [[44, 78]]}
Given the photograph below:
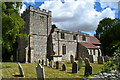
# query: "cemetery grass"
{"points": [[10, 70]]}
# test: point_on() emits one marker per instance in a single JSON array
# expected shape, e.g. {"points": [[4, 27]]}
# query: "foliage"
{"points": [[114, 62], [12, 23], [108, 33], [54, 26]]}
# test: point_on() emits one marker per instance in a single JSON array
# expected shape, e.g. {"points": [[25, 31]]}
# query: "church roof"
{"points": [[94, 40], [88, 45]]}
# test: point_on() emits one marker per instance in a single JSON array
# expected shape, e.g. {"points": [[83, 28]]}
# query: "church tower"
{"points": [[37, 27]]}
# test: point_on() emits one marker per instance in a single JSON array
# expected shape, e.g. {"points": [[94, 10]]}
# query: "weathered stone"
{"points": [[100, 60], [106, 58], [20, 70], [74, 67], [40, 72], [57, 65], [63, 67], [91, 58], [79, 62], [51, 63], [72, 59], [87, 62], [46, 62], [43, 63]]}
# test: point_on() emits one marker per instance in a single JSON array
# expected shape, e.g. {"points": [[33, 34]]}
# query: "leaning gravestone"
{"points": [[91, 58], [43, 62], [46, 62], [63, 67], [74, 67], [106, 58], [100, 60], [79, 62], [57, 65], [72, 59], [20, 70], [51, 63], [40, 72], [88, 68]]}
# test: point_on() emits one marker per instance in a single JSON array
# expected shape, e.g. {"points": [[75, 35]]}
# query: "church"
{"points": [[45, 42]]}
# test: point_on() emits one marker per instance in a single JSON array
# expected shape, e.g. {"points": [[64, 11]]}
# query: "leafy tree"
{"points": [[12, 23], [108, 33], [54, 26]]}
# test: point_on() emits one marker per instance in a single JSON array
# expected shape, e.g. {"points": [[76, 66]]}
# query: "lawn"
{"points": [[10, 70]]}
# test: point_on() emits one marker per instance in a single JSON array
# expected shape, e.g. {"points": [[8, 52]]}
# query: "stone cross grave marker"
{"points": [[100, 60], [74, 67], [20, 70], [72, 59], [57, 65], [63, 67], [91, 58], [43, 62], [40, 72], [46, 62], [51, 63], [79, 62], [88, 68]]}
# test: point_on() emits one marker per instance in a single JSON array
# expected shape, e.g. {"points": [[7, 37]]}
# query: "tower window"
{"points": [[62, 36], [74, 37]]}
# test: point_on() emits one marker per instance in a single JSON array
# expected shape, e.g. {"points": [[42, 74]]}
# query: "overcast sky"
{"points": [[76, 15]]}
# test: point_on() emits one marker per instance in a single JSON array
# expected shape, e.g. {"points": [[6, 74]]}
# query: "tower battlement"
{"points": [[37, 10]]}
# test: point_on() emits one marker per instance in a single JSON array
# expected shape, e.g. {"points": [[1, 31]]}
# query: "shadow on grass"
{"points": [[18, 75]]}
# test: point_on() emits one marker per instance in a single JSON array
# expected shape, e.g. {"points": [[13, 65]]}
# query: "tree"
{"points": [[108, 33], [12, 23]]}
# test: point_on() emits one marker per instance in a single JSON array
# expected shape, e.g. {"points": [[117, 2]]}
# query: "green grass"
{"points": [[10, 70]]}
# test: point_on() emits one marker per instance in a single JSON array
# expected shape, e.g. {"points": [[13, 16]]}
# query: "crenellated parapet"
{"points": [[37, 10]]}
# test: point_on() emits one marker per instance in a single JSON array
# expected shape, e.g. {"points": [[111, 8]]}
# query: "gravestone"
{"points": [[91, 58], [100, 60], [20, 70], [74, 67], [51, 63], [46, 62], [87, 62], [63, 67], [57, 65], [43, 62], [79, 62], [72, 59], [40, 72], [106, 58], [39, 61], [88, 68]]}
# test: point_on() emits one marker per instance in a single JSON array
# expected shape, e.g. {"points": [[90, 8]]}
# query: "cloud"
{"points": [[23, 8], [76, 15]]}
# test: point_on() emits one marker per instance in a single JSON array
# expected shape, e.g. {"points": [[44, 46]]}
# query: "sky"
{"points": [[76, 15]]}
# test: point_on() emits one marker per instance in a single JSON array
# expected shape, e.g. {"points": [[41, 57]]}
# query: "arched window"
{"points": [[64, 49]]}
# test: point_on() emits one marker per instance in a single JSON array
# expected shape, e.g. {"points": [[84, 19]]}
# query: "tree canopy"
{"points": [[108, 33], [12, 24]]}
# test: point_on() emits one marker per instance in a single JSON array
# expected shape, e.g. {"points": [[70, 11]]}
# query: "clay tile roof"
{"points": [[94, 40], [88, 45]]}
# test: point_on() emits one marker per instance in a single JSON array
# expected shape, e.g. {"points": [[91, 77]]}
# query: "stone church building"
{"points": [[53, 43]]}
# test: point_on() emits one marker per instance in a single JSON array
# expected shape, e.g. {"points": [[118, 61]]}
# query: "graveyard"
{"points": [[10, 70]]}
